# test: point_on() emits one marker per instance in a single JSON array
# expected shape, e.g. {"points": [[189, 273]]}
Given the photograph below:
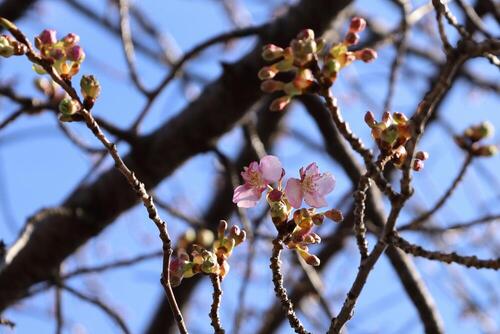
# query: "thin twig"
{"points": [[134, 182], [468, 261], [280, 290], [214, 309]]}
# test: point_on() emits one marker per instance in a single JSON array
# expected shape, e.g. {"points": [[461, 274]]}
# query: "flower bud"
{"points": [[366, 55], [68, 107], [306, 34], [271, 52], [76, 54], [351, 38], [204, 237], [312, 260], [221, 229], [90, 87], [6, 46], [280, 103], [335, 215], [422, 155], [267, 72], [486, 151], [358, 24], [318, 219], [271, 86], [400, 118], [46, 37], [370, 119], [418, 165], [70, 39]]}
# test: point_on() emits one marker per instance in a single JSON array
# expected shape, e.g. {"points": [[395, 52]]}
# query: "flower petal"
{"points": [[271, 169], [246, 196], [315, 200], [311, 170], [325, 184], [293, 192]]}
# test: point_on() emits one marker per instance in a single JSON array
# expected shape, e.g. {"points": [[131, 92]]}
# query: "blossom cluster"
{"points": [[311, 187], [391, 134], [302, 58], [472, 137], [194, 255], [64, 54]]}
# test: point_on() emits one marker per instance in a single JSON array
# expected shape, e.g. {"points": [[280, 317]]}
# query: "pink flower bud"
{"points": [[76, 54], [71, 39], [47, 37], [358, 24]]}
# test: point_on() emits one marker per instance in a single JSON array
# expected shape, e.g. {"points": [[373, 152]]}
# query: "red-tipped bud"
{"points": [[422, 155], [351, 38], [280, 103], [358, 24], [335, 215], [366, 55], [221, 229], [370, 119], [267, 73], [271, 86], [275, 195], [387, 119], [400, 118], [418, 165], [312, 260], [318, 219], [271, 52]]}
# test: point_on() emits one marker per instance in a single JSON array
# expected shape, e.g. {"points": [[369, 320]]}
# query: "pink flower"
{"points": [[312, 187], [257, 177]]}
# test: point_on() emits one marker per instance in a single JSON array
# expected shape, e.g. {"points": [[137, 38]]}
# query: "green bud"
{"points": [[68, 107], [90, 87], [6, 47]]}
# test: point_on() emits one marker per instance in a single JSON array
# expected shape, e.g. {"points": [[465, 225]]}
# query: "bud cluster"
{"points": [[301, 58], [298, 232], [202, 260], [471, 139], [64, 54], [10, 47], [391, 134], [339, 55], [295, 58]]}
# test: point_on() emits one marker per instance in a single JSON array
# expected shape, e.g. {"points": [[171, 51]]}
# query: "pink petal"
{"points": [[311, 170], [325, 184], [293, 192], [271, 169], [315, 200], [247, 171], [246, 196]]}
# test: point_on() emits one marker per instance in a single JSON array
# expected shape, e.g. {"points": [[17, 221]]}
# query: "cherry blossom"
{"points": [[257, 177], [313, 186]]}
